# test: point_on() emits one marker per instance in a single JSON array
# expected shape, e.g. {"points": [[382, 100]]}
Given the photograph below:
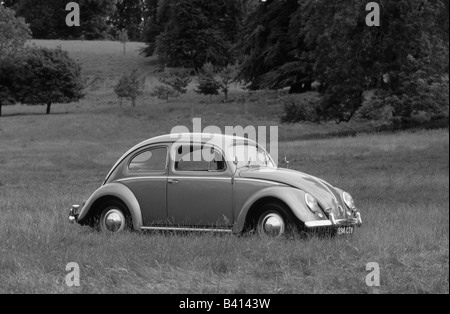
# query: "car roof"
{"points": [[219, 140], [211, 138]]}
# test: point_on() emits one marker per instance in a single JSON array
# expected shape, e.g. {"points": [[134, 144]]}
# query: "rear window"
{"points": [[150, 160]]}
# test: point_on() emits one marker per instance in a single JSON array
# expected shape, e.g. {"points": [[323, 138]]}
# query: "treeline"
{"points": [[100, 19], [397, 72]]}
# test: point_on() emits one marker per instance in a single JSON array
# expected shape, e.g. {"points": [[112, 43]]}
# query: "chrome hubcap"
{"points": [[114, 220], [273, 225]]}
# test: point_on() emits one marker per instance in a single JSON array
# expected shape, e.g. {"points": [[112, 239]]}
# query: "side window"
{"points": [[218, 162], [198, 158], [149, 160]]}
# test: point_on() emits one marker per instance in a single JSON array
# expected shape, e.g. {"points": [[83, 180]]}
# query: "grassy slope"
{"points": [[400, 181]]}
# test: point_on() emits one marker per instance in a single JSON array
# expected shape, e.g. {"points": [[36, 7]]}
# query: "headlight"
{"points": [[312, 203], [348, 200]]}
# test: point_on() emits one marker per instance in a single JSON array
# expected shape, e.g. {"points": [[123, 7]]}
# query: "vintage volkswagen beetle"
{"points": [[169, 183]]}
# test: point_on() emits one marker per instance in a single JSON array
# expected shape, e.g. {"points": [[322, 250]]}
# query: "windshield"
{"points": [[249, 155]]}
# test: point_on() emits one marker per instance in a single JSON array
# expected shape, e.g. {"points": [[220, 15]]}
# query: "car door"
{"points": [[146, 177], [199, 191]]}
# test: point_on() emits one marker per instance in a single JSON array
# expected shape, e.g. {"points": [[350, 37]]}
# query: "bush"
{"points": [[424, 102], [164, 92], [174, 84], [377, 110], [178, 80], [300, 108]]}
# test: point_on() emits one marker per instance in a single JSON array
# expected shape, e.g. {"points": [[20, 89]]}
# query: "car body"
{"points": [[212, 182]]}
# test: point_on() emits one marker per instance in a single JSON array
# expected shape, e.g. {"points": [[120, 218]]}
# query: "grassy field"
{"points": [[47, 163]]}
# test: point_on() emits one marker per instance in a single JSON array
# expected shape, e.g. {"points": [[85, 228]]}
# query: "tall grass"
{"points": [[399, 180]]}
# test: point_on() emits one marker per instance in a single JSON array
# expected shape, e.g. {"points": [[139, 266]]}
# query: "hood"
{"points": [[325, 193]]}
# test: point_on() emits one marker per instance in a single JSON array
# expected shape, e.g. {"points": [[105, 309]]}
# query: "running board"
{"points": [[185, 229]]}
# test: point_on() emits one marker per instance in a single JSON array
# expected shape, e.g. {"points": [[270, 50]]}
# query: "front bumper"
{"points": [[74, 213], [336, 223]]}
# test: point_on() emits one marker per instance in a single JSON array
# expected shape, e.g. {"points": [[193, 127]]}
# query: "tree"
{"points": [[349, 57], [129, 16], [46, 76], [273, 53], [123, 38], [121, 89], [152, 26], [7, 70], [130, 86], [227, 76], [208, 85], [14, 32], [192, 32], [5, 96]]}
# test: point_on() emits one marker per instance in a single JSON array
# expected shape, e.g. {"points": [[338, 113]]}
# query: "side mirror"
{"points": [[286, 162]]}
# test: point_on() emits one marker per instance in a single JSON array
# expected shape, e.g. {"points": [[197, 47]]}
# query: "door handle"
{"points": [[173, 181]]}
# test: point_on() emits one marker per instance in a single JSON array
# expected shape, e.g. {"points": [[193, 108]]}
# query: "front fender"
{"points": [[121, 192], [292, 197]]}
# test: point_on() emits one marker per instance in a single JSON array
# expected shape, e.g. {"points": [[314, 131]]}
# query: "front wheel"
{"points": [[113, 218], [273, 222]]}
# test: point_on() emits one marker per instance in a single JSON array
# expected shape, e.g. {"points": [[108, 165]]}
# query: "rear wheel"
{"points": [[114, 217], [273, 222]]}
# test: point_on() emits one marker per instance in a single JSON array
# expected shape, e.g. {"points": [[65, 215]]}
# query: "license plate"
{"points": [[345, 230]]}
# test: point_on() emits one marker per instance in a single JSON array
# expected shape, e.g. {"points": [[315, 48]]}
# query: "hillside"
{"points": [[103, 63]]}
